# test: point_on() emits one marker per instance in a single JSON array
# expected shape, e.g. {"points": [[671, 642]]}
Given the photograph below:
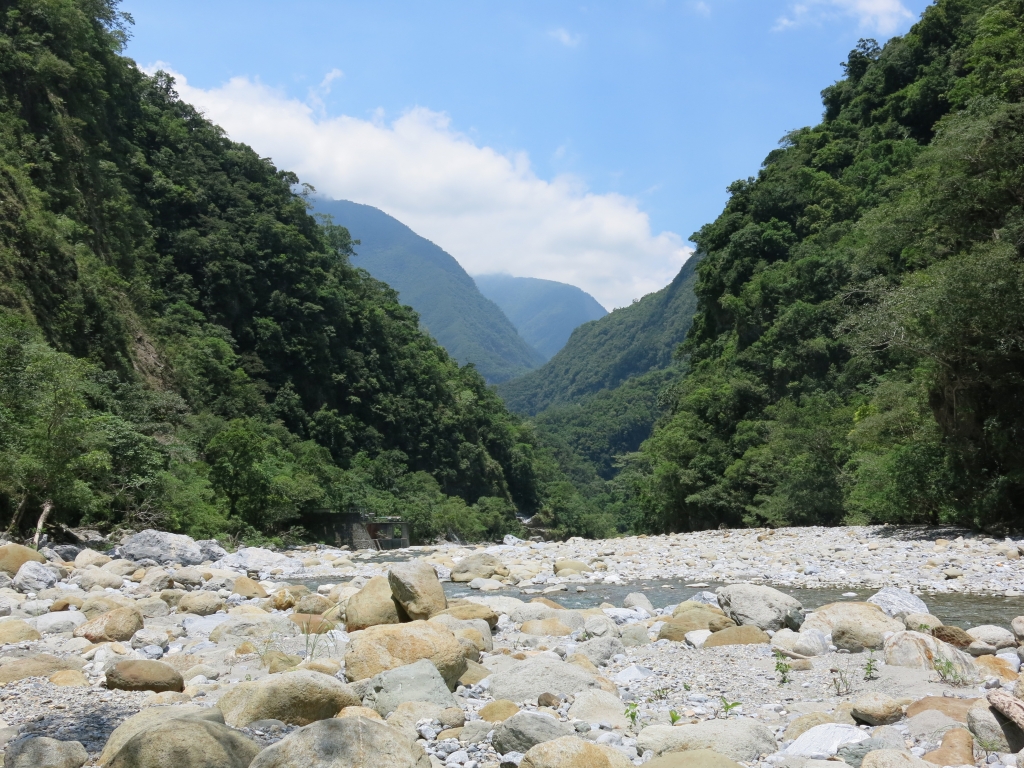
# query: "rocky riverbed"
{"points": [[162, 651]]}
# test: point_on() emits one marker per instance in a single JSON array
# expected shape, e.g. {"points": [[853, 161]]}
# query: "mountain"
{"points": [[543, 311], [185, 347], [471, 327], [602, 354], [858, 347]]}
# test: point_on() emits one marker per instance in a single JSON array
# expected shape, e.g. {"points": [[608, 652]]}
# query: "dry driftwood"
{"points": [[1008, 705]]}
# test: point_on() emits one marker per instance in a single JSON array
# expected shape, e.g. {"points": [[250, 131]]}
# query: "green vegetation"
{"points": [[183, 346], [858, 349], [544, 312], [602, 354], [469, 326]]}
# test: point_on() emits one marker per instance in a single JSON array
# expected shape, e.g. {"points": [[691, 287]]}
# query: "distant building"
{"points": [[358, 530]]}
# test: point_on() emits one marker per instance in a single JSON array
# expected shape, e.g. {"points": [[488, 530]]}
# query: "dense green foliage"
{"points": [[543, 311], [602, 354], [182, 345], [858, 350], [470, 327]]}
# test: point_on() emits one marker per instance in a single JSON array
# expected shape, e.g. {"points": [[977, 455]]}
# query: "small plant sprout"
{"points": [[633, 713], [949, 673], [659, 694], [674, 717], [728, 706], [871, 667], [782, 666]]}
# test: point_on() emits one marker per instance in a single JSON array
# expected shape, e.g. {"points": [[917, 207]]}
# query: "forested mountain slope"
{"points": [[182, 345], [858, 350], [469, 326], [545, 312], [602, 354]]}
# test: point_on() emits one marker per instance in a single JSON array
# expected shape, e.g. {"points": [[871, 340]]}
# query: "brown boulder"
{"points": [[388, 646], [312, 623], [248, 588], [747, 634], [954, 708], [467, 610], [372, 606], [957, 748], [552, 627], [111, 627], [498, 711], [144, 675], [416, 588], [573, 752], [40, 665], [955, 636], [186, 742], [13, 556], [17, 631]]}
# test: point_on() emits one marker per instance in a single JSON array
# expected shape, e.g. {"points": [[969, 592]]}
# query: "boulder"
{"points": [[892, 758], [157, 579], [91, 576], [410, 713], [497, 711], [13, 556], [466, 610], [957, 748], [919, 651], [922, 622], [35, 577], [573, 752], [165, 548], [854, 626], [380, 648], [743, 635], [419, 681], [201, 603], [882, 738], [254, 625], [526, 729], [44, 752], [372, 606], [62, 621], [595, 706], [69, 678], [634, 635], [952, 635], [956, 709], [188, 741], [416, 588], [96, 606], [257, 559], [211, 550], [601, 649], [39, 665], [993, 730], [143, 675], [638, 600], [989, 634], [297, 698], [478, 566], [762, 607], [823, 741], [112, 626], [692, 758], [571, 565], [677, 627], [528, 679], [347, 742], [88, 557], [314, 604], [17, 631], [248, 588], [150, 718], [804, 723], [930, 725], [740, 739], [876, 709], [813, 642], [548, 627], [898, 603]]}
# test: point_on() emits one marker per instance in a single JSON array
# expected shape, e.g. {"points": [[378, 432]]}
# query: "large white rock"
{"points": [[898, 603], [59, 621], [34, 577], [737, 738], [530, 678], [599, 707], [920, 651], [813, 642], [256, 559], [163, 547], [986, 633], [761, 606], [823, 741]]}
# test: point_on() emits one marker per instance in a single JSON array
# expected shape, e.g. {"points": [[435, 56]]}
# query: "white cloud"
{"points": [[884, 17], [565, 37], [488, 209]]}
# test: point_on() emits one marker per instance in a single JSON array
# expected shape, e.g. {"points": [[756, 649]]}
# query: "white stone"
{"points": [[825, 740]]}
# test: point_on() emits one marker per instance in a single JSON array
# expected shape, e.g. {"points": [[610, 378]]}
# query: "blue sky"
{"points": [[575, 142]]}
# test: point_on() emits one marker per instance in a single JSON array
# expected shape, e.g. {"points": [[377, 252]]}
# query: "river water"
{"points": [[953, 609]]}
